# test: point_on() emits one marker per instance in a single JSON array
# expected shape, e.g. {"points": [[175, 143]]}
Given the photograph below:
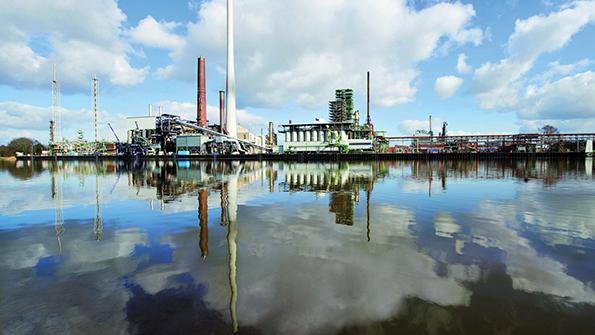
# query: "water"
{"points": [[454, 247]]}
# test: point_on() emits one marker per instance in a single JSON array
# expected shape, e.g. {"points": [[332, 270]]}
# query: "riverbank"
{"points": [[322, 157]]}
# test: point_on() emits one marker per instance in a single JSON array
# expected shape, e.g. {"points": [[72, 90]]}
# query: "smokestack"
{"points": [[369, 117], [150, 110], [271, 142], [231, 123], [201, 96], [222, 110], [431, 134]]}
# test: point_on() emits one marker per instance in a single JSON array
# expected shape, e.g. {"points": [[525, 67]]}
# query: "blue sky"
{"points": [[482, 66]]}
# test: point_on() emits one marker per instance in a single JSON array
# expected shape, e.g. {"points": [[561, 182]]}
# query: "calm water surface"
{"points": [[455, 247]]}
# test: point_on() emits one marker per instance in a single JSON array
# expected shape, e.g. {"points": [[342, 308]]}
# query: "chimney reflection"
{"points": [[232, 210], [223, 204], [203, 219]]}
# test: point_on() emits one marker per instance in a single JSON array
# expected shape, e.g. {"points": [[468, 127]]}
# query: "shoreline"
{"points": [[313, 157]]}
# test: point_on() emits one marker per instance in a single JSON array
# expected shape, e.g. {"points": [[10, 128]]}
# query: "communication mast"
{"points": [[56, 126], [95, 110]]}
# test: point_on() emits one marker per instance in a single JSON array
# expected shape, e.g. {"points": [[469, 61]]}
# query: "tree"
{"points": [[547, 129], [21, 144]]}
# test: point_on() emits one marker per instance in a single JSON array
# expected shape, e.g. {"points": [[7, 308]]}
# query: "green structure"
{"points": [[341, 109]]}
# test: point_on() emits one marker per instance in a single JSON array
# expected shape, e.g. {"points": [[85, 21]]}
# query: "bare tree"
{"points": [[547, 129]]}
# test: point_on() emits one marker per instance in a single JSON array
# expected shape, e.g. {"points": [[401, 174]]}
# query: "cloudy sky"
{"points": [[483, 66]]}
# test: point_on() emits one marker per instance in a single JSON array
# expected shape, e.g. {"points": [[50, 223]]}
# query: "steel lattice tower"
{"points": [[95, 110], [55, 131]]}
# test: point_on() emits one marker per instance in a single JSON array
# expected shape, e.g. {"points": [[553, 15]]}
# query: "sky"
{"points": [[482, 66]]}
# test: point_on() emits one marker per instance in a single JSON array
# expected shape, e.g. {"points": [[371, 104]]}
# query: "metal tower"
{"points": [[56, 125], [95, 110]]}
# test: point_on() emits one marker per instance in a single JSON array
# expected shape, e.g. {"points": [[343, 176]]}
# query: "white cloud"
{"points": [[409, 127], [540, 34], [571, 97], [556, 69], [446, 86], [462, 66], [319, 46], [82, 38], [497, 84], [155, 34]]}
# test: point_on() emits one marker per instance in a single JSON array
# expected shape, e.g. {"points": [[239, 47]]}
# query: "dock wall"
{"points": [[323, 157]]}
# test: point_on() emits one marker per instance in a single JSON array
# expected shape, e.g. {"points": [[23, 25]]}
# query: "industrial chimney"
{"points": [[231, 123], [271, 141], [201, 96], [369, 116], [222, 111]]}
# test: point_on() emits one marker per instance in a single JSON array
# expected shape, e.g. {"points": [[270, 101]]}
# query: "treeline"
{"points": [[21, 144]]}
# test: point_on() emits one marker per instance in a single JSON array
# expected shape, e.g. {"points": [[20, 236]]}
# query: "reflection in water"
{"points": [[369, 188], [450, 247], [343, 181], [98, 225], [203, 219], [232, 194], [57, 195]]}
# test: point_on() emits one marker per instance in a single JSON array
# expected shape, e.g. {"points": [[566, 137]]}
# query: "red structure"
{"points": [[201, 97]]}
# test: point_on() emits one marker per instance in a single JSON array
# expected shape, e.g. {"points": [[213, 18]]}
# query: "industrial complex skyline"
{"points": [[484, 67]]}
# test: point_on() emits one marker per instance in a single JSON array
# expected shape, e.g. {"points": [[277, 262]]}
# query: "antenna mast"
{"points": [[95, 110], [56, 127]]}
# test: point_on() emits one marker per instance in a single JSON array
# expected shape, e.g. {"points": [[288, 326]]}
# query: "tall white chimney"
{"points": [[230, 120]]}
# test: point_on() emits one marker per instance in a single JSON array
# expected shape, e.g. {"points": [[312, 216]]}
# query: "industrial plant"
{"points": [[169, 136]]}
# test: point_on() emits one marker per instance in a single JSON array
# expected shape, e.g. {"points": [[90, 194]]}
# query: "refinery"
{"points": [[343, 135]]}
